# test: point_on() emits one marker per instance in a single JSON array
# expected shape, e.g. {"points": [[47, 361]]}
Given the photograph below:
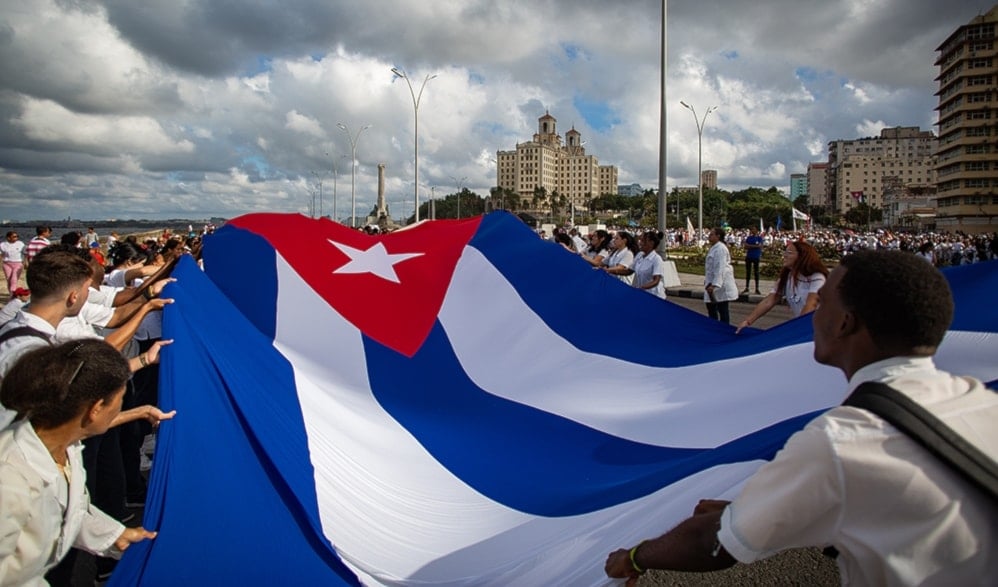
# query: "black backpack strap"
{"points": [[24, 331], [932, 433]]}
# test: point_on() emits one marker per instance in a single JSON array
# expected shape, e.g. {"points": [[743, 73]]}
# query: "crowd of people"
{"points": [[632, 259], [946, 248], [79, 354]]}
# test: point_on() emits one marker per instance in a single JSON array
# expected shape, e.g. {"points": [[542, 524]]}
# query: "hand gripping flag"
{"points": [[452, 405]]}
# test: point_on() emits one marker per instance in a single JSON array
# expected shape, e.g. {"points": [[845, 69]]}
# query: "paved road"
{"points": [[739, 311], [804, 567], [690, 295]]}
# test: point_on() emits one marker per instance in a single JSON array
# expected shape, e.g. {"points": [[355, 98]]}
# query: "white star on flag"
{"points": [[375, 260]]}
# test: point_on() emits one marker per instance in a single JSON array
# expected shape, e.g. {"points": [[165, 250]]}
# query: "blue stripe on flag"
{"points": [[529, 459], [235, 459]]}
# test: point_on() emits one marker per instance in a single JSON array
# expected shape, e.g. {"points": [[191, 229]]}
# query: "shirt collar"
{"points": [[892, 368], [35, 453]]}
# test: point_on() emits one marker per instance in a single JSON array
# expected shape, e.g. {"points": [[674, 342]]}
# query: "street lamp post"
{"points": [[318, 180], [459, 184], [415, 116], [334, 190], [353, 175], [335, 215], [700, 122], [320, 187]]}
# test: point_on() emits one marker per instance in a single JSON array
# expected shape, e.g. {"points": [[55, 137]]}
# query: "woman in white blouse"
{"points": [[62, 394], [597, 253], [802, 276], [648, 266], [620, 260]]}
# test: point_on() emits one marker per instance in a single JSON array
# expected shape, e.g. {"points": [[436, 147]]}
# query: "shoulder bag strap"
{"points": [[24, 331], [921, 426]]}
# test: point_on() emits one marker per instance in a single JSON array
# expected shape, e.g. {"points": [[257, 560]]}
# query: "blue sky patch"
{"points": [[262, 64], [573, 52], [598, 115]]}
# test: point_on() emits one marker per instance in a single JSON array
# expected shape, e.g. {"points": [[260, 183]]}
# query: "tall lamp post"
{"points": [[335, 173], [353, 175], [318, 180], [663, 134], [459, 184], [415, 116], [700, 122]]}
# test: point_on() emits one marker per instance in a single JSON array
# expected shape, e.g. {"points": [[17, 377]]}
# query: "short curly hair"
{"points": [[904, 302]]}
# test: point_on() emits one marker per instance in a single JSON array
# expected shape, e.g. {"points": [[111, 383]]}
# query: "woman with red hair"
{"points": [[802, 276]]}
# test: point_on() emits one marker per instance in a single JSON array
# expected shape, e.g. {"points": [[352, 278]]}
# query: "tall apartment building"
{"points": [[709, 179], [798, 185], [967, 158], [545, 162], [817, 194], [875, 169]]}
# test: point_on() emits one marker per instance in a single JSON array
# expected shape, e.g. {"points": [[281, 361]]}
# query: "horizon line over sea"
{"points": [[26, 230]]}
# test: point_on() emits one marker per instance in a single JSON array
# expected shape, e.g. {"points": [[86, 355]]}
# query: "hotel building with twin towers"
{"points": [[565, 169]]}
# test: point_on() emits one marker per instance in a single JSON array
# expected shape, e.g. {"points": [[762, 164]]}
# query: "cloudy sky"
{"points": [[196, 108]]}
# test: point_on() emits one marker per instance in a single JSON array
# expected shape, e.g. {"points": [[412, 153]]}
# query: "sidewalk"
{"points": [[692, 287]]}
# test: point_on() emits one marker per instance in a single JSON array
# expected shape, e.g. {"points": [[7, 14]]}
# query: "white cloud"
{"points": [[200, 107], [48, 122], [304, 124]]}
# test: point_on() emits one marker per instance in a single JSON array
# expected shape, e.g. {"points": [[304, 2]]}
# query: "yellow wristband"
{"points": [[634, 565]]}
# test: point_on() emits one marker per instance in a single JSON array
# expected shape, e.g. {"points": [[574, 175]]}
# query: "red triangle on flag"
{"points": [[390, 286]]}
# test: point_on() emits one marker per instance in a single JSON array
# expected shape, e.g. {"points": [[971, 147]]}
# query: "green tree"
{"points": [[863, 214], [558, 204], [515, 201], [540, 197]]}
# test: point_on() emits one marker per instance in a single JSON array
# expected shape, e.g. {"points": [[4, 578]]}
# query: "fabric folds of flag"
{"points": [[454, 404]]}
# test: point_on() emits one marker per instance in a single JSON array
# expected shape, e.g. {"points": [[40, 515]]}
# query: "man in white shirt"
{"points": [[894, 513], [719, 278]]}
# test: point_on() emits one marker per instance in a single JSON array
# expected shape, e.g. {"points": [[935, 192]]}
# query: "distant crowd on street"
{"points": [[944, 248]]}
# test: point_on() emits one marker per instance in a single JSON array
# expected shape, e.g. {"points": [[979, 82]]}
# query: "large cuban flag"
{"points": [[459, 403]]}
